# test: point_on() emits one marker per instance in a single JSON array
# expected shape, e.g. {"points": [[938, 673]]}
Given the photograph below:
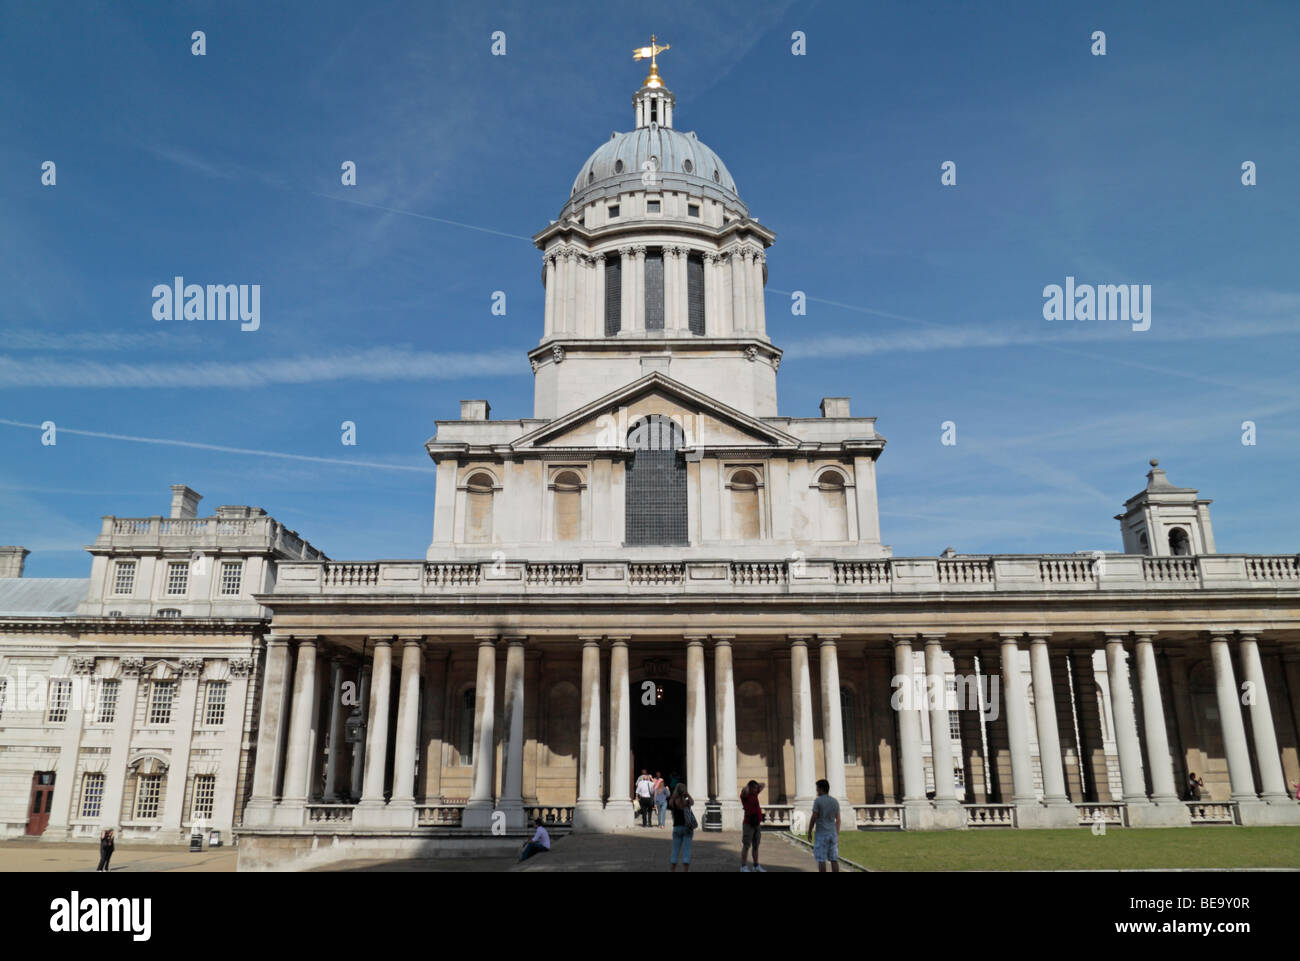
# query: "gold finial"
{"points": [[651, 52]]}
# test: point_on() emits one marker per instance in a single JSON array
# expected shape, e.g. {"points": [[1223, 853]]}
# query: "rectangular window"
{"points": [[613, 294], [60, 698], [160, 702], [109, 688], [652, 206], [695, 294], [692, 210], [124, 577], [205, 793], [4, 690], [214, 713], [178, 577], [148, 795], [232, 576], [92, 795], [654, 290], [612, 211]]}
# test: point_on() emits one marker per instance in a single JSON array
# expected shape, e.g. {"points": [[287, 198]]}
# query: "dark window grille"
{"points": [[654, 290], [613, 294], [695, 293], [655, 511]]}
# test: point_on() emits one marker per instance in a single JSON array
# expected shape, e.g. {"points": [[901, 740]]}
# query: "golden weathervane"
{"points": [[651, 52]]}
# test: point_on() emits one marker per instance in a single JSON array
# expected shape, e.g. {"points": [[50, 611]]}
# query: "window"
{"points": [[214, 711], [4, 690], [849, 721], [652, 206], [178, 577], [834, 506], [591, 177], [692, 210], [655, 502], [654, 290], [148, 795], [161, 695], [695, 290], [232, 576], [618, 166], [124, 577], [60, 698], [478, 514], [612, 212], [467, 728], [717, 177], [92, 795], [1179, 544], [568, 506], [109, 689], [613, 293], [169, 612], [205, 794], [744, 506], [689, 167]]}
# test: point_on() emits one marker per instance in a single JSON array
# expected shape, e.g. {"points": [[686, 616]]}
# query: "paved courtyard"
{"points": [[67, 856]]}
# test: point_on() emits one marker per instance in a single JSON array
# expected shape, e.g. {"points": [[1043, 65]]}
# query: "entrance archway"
{"points": [[658, 726]]}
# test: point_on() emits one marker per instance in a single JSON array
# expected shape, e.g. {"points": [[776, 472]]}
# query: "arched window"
{"points": [[834, 506], [1179, 544], [654, 289], [849, 721], [744, 500], [695, 293], [567, 487], [655, 492], [478, 511]]}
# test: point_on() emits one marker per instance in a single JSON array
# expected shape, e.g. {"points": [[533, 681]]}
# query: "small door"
{"points": [[38, 814]]}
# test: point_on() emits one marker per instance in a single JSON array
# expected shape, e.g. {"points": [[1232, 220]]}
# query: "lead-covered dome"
{"points": [[671, 151]]}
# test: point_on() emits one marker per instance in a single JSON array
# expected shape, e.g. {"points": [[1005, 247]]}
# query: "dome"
{"points": [[681, 159]]}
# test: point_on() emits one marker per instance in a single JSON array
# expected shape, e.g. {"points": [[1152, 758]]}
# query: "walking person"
{"points": [[643, 796], [105, 850], [684, 824], [540, 843], [752, 829], [826, 819], [661, 799]]}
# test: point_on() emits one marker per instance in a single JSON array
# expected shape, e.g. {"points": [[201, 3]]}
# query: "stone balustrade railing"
{"points": [[1213, 812], [1010, 573], [438, 815], [552, 815], [990, 815], [875, 816], [1092, 812], [198, 532], [329, 814]]}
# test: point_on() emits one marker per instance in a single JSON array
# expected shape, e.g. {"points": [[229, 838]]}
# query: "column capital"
{"points": [[486, 640], [1116, 637], [900, 640], [1244, 636], [311, 639], [798, 640], [618, 640], [1015, 637], [825, 639], [1038, 637], [933, 638], [515, 638], [278, 639], [414, 640], [378, 639], [723, 640], [590, 640], [1219, 634], [694, 640], [1144, 637]]}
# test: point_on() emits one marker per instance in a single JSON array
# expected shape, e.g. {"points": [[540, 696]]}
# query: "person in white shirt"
{"points": [[541, 842], [645, 796]]}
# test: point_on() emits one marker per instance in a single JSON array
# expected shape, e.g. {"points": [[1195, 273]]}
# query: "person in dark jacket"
{"points": [[105, 850]]}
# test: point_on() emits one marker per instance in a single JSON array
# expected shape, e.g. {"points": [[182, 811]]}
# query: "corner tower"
{"points": [[654, 265]]}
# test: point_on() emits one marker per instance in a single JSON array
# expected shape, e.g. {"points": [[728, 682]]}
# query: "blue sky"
{"points": [[925, 301]]}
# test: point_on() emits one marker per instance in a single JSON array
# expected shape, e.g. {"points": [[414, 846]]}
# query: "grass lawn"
{"points": [[994, 849]]}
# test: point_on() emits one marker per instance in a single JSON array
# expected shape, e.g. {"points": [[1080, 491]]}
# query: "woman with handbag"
{"points": [[684, 825]]}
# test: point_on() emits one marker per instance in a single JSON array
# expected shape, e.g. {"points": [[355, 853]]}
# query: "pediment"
{"points": [[706, 422]]}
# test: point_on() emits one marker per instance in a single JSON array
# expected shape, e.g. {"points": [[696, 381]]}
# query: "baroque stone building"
{"points": [[656, 570]]}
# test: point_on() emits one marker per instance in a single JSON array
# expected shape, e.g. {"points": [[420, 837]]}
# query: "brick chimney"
{"points": [[185, 502], [11, 561]]}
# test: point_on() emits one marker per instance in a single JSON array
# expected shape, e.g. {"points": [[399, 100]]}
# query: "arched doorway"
{"points": [[658, 726]]}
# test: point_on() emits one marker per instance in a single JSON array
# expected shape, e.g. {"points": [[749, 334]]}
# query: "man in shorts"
{"points": [[752, 831], [826, 821]]}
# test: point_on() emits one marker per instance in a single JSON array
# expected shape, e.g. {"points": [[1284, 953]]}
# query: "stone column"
{"points": [[478, 810], [359, 748], [589, 813], [909, 733], [670, 289], [1126, 736], [627, 290], [570, 291], [598, 298], [82, 669], [948, 812], [408, 724], [274, 713], [1261, 725], [711, 280], [1165, 809], [178, 774], [549, 261], [334, 761], [805, 770], [225, 806], [1058, 810], [302, 718], [832, 720], [1234, 731], [758, 313], [512, 783], [724, 706], [1016, 702], [697, 735], [638, 287], [381, 680], [739, 321], [620, 735]]}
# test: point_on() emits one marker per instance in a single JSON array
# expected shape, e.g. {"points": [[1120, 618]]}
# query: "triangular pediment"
{"points": [[605, 421]]}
